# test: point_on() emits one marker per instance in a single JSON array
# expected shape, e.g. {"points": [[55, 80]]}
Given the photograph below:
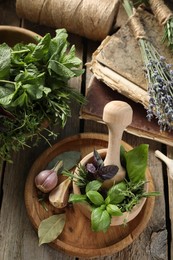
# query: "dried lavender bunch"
{"points": [[160, 85], [159, 76]]}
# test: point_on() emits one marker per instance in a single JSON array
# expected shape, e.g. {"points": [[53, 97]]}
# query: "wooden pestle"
{"points": [[117, 115]]}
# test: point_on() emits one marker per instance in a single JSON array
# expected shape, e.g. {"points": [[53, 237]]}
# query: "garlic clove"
{"points": [[60, 195]]}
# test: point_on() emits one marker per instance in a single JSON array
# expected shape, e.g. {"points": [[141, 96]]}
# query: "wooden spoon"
{"points": [[117, 115]]}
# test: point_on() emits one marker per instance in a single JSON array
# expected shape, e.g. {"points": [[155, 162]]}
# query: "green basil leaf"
{"points": [[75, 198], [113, 210], [95, 197], [116, 194], [50, 228], [93, 185], [58, 45], [107, 200], [70, 60], [136, 163], [6, 94], [122, 156], [100, 220], [22, 100], [41, 49], [5, 61], [60, 69]]}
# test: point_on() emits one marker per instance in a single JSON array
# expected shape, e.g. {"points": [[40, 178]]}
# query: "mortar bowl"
{"points": [[85, 208], [13, 35]]}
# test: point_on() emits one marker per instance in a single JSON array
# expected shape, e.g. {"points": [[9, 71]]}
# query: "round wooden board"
{"points": [[77, 239]]}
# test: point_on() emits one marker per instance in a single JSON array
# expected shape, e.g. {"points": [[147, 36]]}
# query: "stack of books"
{"points": [[118, 74]]}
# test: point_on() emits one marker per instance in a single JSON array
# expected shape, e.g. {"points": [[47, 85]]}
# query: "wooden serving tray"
{"points": [[77, 239]]}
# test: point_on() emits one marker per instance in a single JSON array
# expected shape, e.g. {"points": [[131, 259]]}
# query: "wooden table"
{"points": [[18, 240]]}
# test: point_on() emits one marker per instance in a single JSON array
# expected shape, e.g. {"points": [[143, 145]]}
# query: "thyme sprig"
{"points": [[160, 79]]}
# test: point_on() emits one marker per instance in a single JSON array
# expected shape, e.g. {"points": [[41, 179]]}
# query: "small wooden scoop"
{"points": [[117, 115]]}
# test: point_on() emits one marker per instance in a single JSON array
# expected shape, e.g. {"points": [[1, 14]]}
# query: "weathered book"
{"points": [[99, 94], [118, 60]]}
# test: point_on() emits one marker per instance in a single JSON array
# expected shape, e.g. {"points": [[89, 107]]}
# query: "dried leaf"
{"points": [[70, 159], [50, 228]]}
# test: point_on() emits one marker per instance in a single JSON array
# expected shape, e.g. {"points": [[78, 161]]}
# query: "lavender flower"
{"points": [[160, 80], [160, 85]]}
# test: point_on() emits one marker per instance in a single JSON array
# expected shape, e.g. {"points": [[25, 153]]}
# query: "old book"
{"points": [[99, 94], [118, 61]]}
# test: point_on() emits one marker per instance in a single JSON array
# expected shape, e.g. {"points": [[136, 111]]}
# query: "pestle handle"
{"points": [[117, 115]]}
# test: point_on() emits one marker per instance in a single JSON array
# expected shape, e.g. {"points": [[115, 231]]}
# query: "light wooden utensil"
{"points": [[117, 115], [167, 161]]}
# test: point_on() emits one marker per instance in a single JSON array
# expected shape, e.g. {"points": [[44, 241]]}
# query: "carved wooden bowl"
{"points": [[13, 34], [85, 208]]}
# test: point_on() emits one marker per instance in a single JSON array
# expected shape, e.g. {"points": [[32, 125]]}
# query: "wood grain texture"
{"points": [[18, 239], [73, 238], [170, 203]]}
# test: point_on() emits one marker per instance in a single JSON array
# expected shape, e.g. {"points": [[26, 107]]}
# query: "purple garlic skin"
{"points": [[46, 180]]}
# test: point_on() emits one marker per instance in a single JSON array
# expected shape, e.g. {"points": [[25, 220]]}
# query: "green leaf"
{"points": [[93, 185], [116, 194], [50, 228], [42, 48], [152, 193], [6, 93], [113, 210], [58, 45], [5, 61], [21, 100], [136, 162], [60, 69], [75, 198], [100, 220], [70, 159], [95, 197]]}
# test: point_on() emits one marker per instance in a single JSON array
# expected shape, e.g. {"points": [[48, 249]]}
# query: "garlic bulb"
{"points": [[47, 180]]}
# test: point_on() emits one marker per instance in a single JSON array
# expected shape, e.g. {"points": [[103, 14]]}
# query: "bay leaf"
{"points": [[50, 228], [70, 159]]}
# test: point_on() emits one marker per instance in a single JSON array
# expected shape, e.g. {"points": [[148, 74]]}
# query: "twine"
{"points": [[92, 19], [137, 27], [161, 11]]}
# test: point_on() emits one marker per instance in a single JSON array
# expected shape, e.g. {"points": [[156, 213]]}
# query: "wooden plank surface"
{"points": [[18, 240]]}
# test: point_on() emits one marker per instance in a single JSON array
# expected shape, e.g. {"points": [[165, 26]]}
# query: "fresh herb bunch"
{"points": [[121, 197], [160, 79], [34, 89]]}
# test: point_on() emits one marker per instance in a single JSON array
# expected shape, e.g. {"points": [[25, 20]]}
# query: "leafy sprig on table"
{"points": [[34, 89]]}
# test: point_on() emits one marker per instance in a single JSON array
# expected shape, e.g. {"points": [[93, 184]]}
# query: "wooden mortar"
{"points": [[117, 115]]}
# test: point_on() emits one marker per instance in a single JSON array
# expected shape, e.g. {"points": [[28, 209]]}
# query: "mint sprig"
{"points": [[34, 87]]}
